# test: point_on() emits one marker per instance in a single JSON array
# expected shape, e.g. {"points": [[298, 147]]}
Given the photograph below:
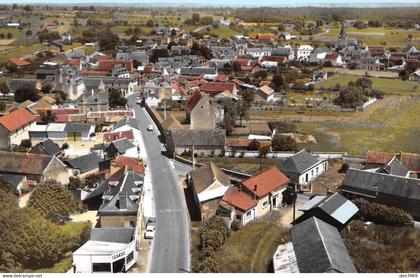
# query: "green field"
{"points": [[389, 86], [392, 128], [379, 36]]}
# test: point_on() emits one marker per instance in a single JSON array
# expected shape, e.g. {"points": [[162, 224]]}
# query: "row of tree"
{"points": [[27, 239]]}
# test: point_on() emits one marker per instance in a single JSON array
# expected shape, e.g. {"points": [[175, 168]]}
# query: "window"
{"points": [[316, 170], [239, 217], [248, 214], [265, 204], [101, 267], [130, 257]]}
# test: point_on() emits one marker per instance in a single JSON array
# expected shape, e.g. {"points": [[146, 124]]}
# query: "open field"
{"points": [[393, 127], [389, 86], [379, 36], [261, 238]]}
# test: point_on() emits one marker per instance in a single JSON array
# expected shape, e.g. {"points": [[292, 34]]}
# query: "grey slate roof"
{"points": [[15, 84], [298, 163], [85, 163], [13, 179], [368, 183], [122, 201], [46, 147], [319, 248], [335, 205], [197, 71], [199, 137], [128, 121], [117, 235], [394, 167], [77, 127], [122, 145]]}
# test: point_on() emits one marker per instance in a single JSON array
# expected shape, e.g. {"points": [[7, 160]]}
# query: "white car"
{"points": [[138, 100], [150, 230], [150, 127]]}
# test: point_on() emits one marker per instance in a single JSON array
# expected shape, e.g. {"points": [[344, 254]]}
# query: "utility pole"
{"points": [[193, 157], [164, 110]]}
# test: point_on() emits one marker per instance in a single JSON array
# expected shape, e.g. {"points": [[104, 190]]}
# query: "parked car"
{"points": [[150, 230], [150, 127]]}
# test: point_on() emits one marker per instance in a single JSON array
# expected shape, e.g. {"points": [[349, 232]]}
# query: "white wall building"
{"points": [[303, 52]]}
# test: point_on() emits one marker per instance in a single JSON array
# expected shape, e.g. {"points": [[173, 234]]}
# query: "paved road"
{"points": [[170, 251]]}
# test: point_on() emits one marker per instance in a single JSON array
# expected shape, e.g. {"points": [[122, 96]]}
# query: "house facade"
{"points": [[302, 168]]}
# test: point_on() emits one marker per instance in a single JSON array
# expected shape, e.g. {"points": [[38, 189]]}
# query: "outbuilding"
{"points": [[108, 250]]}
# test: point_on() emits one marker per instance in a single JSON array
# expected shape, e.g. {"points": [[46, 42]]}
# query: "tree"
{"points": [[248, 97], [46, 88], [364, 82], [150, 23], [9, 35], [116, 99], [228, 123], [59, 96], [227, 68], [277, 82], [27, 240], [53, 201], [4, 87], [351, 97], [195, 18], [25, 92], [28, 33], [158, 53], [254, 145], [284, 143], [108, 40], [283, 127], [3, 106], [48, 117], [26, 143]]}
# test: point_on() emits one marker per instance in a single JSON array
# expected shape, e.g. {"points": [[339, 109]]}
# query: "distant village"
{"points": [[135, 130]]}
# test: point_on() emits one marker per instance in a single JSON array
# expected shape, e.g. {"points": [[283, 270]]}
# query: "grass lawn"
{"points": [[74, 230], [221, 31], [20, 52], [251, 248], [389, 86], [394, 127]]}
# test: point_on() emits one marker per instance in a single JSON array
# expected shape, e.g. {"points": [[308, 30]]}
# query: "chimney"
{"points": [[255, 188]]}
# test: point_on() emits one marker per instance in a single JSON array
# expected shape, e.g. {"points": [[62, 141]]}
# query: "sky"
{"points": [[232, 3]]}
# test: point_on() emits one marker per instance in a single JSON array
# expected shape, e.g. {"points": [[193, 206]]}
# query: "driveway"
{"points": [[170, 247]]}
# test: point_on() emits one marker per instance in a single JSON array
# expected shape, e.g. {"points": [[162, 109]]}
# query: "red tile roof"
{"points": [[278, 59], [238, 142], [266, 182], [378, 157], [102, 57], [195, 83], [16, 119], [131, 163], [20, 63], [106, 65], [74, 62], [192, 101], [331, 57], [239, 199], [176, 86], [242, 62], [112, 136], [217, 87], [95, 73], [222, 78]]}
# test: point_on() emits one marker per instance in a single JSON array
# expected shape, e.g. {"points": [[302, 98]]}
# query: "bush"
{"points": [[284, 143], [382, 214], [343, 168]]}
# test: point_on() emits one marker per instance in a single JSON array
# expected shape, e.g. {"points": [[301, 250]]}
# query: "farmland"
{"points": [[389, 86], [393, 127]]}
